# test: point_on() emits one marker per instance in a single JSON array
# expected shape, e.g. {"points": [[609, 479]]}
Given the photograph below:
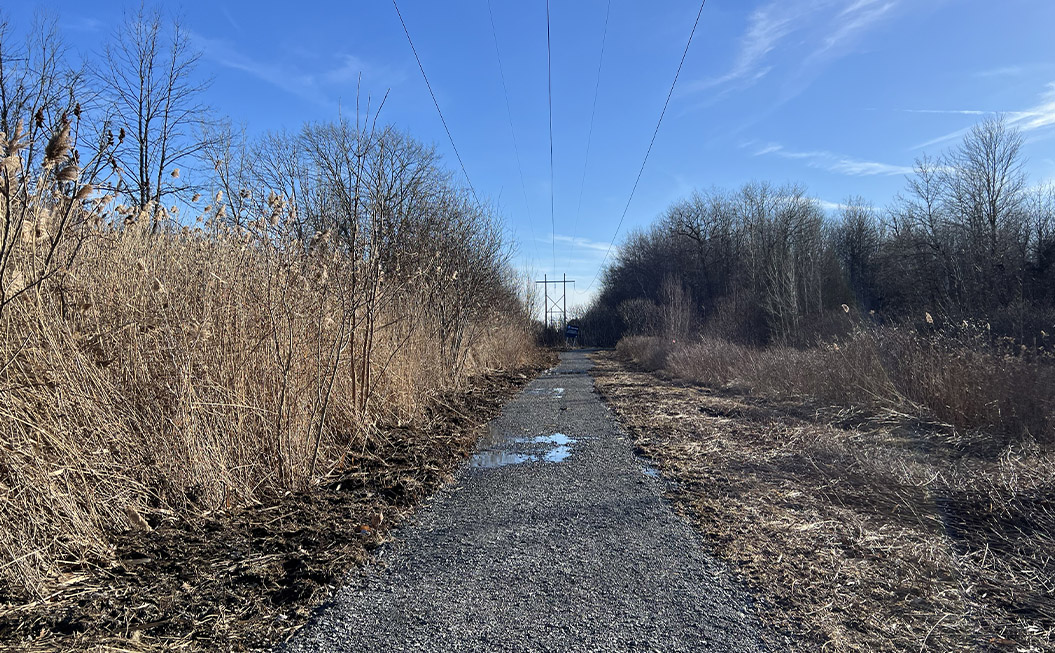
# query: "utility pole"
{"points": [[555, 305]]}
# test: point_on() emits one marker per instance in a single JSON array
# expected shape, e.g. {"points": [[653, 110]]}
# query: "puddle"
{"points": [[490, 459], [649, 470], [558, 448], [557, 454], [558, 439], [546, 392]]}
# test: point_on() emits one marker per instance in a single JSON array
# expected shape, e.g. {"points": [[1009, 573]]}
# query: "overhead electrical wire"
{"points": [[549, 83], [436, 102], [512, 131], [649, 150], [589, 135]]}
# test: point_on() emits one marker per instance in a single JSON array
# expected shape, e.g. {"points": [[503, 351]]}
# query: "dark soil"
{"points": [[246, 579]]}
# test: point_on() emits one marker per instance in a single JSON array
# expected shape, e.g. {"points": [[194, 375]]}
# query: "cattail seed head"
{"points": [[175, 173], [197, 196]]}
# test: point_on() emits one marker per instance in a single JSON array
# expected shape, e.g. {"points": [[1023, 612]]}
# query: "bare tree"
{"points": [[857, 239], [148, 72], [985, 196], [38, 86]]}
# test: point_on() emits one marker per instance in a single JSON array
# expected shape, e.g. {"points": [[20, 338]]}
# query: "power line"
{"points": [[593, 115], [512, 131], [436, 102], [549, 80], [651, 143]]}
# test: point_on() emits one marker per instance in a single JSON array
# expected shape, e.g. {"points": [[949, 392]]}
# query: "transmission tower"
{"points": [[555, 306]]}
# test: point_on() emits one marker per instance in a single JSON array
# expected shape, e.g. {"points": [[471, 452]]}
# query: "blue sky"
{"points": [[838, 95]]}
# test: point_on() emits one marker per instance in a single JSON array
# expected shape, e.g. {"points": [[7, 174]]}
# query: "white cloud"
{"points": [[946, 112], [578, 243], [836, 163], [826, 30], [840, 206], [230, 19], [767, 26], [1006, 71], [1039, 116], [854, 21], [319, 87]]}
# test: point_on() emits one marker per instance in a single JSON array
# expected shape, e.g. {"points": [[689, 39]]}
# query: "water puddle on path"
{"points": [[546, 392], [556, 454], [555, 448], [557, 439]]}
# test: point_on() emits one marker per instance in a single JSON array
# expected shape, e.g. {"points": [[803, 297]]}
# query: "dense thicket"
{"points": [[967, 241], [191, 319]]}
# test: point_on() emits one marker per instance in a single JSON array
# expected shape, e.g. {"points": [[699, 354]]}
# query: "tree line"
{"points": [[968, 242], [140, 135]]}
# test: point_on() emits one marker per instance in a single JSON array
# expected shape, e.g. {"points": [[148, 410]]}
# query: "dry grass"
{"points": [[248, 578], [1002, 398], [862, 530], [189, 370]]}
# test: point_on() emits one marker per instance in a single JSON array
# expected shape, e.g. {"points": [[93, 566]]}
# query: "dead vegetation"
{"points": [[175, 343], [861, 529], [244, 579], [1003, 393]]}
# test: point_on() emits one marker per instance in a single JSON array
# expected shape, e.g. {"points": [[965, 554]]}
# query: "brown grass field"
{"points": [[861, 527]]}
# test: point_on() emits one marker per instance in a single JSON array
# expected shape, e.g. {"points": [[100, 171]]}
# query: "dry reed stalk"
{"points": [[188, 370]]}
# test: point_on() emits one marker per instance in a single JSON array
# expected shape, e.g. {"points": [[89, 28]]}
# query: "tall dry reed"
{"points": [[147, 372]]}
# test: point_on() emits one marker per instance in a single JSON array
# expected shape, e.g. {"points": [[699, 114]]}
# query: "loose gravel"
{"points": [[554, 537]]}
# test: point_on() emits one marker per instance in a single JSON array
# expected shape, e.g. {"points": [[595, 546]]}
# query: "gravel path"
{"points": [[555, 537]]}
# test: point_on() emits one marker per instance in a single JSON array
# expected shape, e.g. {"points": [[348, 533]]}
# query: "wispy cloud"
{"points": [[836, 163], [841, 206], [949, 112], [582, 243], [1039, 116], [231, 20], [823, 31], [852, 22], [319, 85], [767, 27], [1006, 71]]}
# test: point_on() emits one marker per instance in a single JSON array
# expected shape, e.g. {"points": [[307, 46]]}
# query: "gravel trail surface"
{"points": [[555, 537]]}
